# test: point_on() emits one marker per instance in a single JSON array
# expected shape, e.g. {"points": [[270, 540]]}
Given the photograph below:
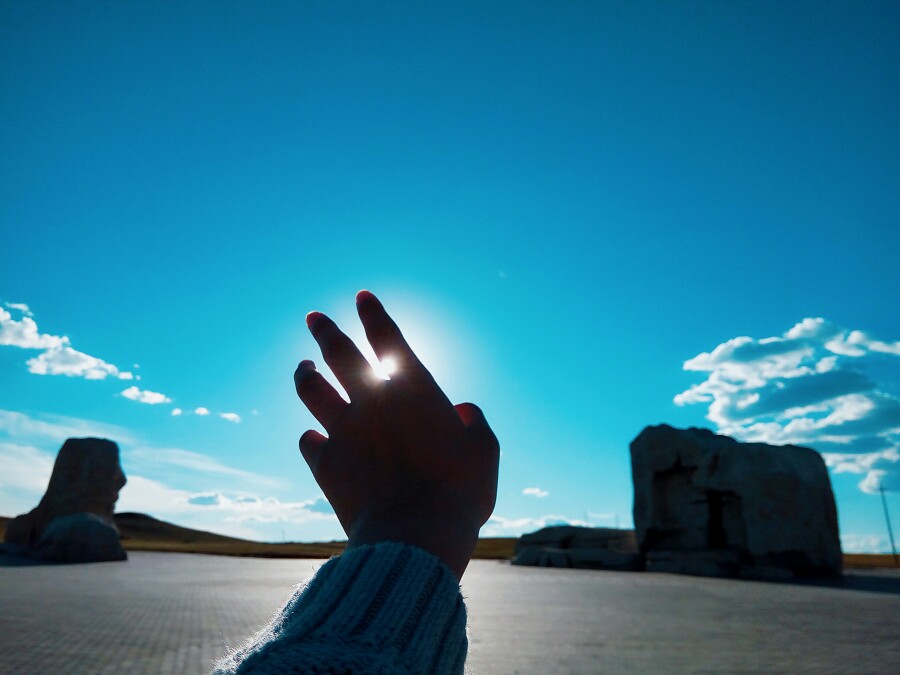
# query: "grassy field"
{"points": [[869, 561], [143, 533]]}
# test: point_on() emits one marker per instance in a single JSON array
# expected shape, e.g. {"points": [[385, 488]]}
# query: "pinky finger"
{"points": [[477, 426]]}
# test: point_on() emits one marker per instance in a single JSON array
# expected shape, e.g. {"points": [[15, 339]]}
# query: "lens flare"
{"points": [[385, 368]]}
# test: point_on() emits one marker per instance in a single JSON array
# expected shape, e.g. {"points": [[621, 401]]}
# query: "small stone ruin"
{"points": [[74, 520], [578, 547], [705, 504]]}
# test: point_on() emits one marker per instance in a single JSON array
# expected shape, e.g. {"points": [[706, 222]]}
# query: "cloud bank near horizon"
{"points": [[809, 386], [195, 489]]}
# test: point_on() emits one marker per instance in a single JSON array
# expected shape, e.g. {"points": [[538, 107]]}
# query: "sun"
{"points": [[385, 368]]}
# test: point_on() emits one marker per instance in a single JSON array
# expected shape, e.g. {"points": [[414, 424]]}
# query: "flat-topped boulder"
{"points": [[578, 547], [74, 520], [707, 504]]}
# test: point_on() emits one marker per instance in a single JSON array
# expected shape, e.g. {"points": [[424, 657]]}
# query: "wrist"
{"points": [[452, 545]]}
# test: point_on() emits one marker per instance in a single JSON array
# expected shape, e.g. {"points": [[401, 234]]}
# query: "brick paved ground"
{"points": [[171, 613]]}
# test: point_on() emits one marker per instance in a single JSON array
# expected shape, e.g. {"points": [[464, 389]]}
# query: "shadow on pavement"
{"points": [[873, 581]]}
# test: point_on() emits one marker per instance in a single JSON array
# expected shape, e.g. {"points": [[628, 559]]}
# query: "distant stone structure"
{"points": [[74, 520], [705, 504], [578, 547]]}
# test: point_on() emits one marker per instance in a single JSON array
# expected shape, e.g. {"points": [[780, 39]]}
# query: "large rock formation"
{"points": [[74, 520], [706, 504], [579, 547]]}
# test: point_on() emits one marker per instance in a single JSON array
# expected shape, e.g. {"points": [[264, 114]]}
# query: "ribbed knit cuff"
{"points": [[388, 608]]}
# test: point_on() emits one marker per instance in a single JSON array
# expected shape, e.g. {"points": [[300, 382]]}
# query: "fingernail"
{"points": [[313, 318]]}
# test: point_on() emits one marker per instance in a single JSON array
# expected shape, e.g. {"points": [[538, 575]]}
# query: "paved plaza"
{"points": [[175, 613]]}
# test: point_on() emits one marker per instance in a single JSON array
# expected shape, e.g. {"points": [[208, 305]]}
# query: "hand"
{"points": [[400, 463]]}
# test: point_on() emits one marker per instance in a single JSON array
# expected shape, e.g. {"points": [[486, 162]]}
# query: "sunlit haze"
{"points": [[586, 217]]}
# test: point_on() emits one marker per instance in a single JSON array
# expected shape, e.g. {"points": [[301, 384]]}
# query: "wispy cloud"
{"points": [[500, 526], [242, 508], [809, 386], [864, 543], [145, 396], [230, 416], [148, 459], [201, 411], [535, 492], [24, 467], [19, 307], [36, 428]]}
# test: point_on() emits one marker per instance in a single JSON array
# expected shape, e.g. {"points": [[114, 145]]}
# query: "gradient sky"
{"points": [[588, 217]]}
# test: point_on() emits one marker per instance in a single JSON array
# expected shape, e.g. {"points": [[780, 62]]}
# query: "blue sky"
{"points": [[587, 217]]}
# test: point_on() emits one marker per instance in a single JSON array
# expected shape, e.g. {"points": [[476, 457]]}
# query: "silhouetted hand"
{"points": [[400, 463]]}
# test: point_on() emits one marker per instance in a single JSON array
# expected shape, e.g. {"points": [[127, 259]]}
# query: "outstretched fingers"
{"points": [[317, 394]]}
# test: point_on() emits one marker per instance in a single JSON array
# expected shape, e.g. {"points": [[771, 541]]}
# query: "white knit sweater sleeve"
{"points": [[388, 608]]}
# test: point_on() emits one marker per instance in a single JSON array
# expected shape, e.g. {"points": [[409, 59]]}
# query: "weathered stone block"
{"points": [[86, 479], [579, 547], [706, 504], [80, 537]]}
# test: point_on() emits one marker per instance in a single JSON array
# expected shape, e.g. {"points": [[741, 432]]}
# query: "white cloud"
{"points": [[58, 357], [535, 492], [230, 416], [876, 479], [885, 348], [152, 497], [24, 333], [19, 307], [145, 396], [807, 387], [227, 513], [864, 543], [499, 526], [72, 363], [176, 412], [242, 508], [201, 411]]}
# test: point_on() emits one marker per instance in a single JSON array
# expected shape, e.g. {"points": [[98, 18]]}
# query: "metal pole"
{"points": [[887, 519]]}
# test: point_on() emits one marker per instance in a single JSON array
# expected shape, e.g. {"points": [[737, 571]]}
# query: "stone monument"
{"points": [[74, 520], [706, 504], [602, 548]]}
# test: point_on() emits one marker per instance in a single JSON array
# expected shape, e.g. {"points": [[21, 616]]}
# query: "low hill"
{"points": [[141, 532]]}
